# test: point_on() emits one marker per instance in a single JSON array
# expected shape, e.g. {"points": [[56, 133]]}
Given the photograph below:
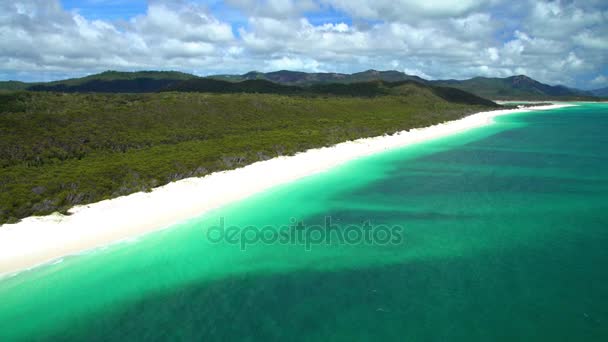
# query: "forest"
{"points": [[58, 150]]}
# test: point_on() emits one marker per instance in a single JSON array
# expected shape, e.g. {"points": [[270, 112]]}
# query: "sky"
{"points": [[556, 42]]}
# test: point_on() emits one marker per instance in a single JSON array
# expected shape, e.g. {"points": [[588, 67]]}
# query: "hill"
{"points": [[208, 85], [510, 88], [13, 85], [602, 92], [115, 82], [359, 89], [515, 87], [58, 150], [304, 78]]}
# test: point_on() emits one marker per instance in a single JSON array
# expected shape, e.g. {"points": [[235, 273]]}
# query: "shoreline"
{"points": [[40, 240]]}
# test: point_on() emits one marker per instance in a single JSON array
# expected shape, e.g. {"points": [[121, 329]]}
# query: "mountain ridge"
{"points": [[519, 87], [601, 92], [357, 89]]}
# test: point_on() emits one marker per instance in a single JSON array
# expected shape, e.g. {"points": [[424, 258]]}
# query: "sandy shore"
{"points": [[38, 240]]}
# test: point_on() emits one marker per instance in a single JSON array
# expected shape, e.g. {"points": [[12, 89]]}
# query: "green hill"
{"points": [[116, 82], [208, 85], [13, 85], [509, 88], [58, 150], [111, 75], [359, 89], [602, 92], [516, 87], [304, 78]]}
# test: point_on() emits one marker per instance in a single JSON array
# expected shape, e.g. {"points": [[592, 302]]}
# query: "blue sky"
{"points": [[557, 42], [106, 9]]}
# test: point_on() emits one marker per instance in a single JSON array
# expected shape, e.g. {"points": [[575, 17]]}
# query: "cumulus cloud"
{"points": [[553, 41], [182, 21], [592, 40], [397, 10], [555, 19], [293, 63], [42, 36], [279, 9], [417, 72], [600, 80]]}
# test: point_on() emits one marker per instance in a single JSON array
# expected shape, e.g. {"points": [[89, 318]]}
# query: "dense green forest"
{"points": [[116, 82], [365, 89], [58, 149]]}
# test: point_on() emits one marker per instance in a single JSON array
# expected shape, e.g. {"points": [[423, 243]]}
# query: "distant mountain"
{"points": [[304, 78], [602, 92], [510, 88], [13, 85], [355, 89], [116, 82], [514, 87], [210, 85], [153, 81]]}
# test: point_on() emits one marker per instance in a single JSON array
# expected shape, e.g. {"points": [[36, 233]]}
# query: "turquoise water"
{"points": [[504, 235]]}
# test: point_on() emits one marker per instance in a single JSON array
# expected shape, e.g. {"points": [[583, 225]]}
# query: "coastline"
{"points": [[35, 241]]}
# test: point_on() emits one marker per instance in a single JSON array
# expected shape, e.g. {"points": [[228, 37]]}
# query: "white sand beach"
{"points": [[38, 240]]}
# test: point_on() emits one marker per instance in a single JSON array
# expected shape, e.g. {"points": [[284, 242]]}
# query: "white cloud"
{"points": [[187, 23], [41, 36], [552, 41], [293, 63], [417, 72], [590, 40], [600, 80], [493, 54], [399, 10], [278, 9], [554, 19]]}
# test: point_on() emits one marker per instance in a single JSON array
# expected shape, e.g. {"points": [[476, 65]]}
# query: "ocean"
{"points": [[496, 234]]}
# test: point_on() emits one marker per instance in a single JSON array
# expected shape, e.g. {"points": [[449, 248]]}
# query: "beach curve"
{"points": [[39, 240]]}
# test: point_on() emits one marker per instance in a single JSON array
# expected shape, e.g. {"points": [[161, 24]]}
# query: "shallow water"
{"points": [[504, 234]]}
